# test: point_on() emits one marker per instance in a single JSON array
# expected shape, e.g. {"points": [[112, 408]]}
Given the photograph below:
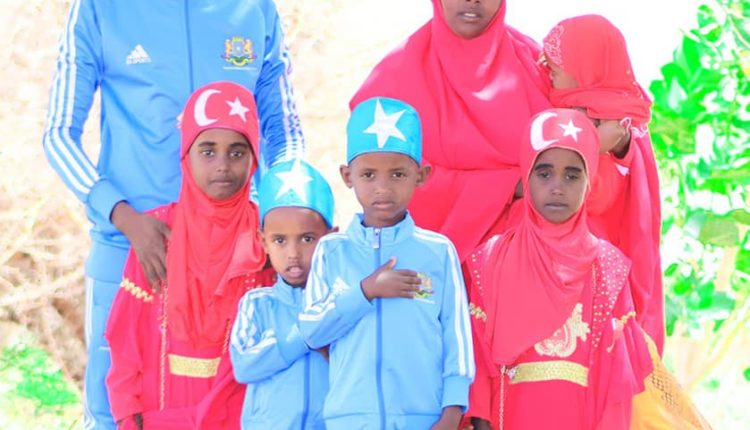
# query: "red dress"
{"points": [[588, 350], [174, 384]]}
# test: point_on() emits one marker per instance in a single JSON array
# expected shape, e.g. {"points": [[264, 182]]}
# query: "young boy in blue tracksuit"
{"points": [[386, 296], [287, 381]]}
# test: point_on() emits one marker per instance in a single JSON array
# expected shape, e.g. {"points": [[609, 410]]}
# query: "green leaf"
{"points": [[746, 374], [719, 230], [741, 216]]}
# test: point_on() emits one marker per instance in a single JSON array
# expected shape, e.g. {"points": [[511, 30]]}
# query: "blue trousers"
{"points": [[103, 275]]}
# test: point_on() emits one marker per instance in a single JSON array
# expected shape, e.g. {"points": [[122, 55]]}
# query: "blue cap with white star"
{"points": [[295, 183], [382, 124]]}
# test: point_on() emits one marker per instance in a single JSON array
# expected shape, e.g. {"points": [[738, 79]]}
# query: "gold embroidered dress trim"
{"points": [[558, 370], [136, 291], [477, 312], [181, 365]]}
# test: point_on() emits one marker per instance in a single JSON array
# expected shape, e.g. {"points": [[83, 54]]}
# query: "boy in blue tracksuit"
{"points": [[146, 58], [386, 296], [287, 381]]}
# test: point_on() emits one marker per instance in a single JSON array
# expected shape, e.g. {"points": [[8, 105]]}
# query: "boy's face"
{"points": [[289, 236], [220, 160], [469, 18], [384, 183], [557, 184]]}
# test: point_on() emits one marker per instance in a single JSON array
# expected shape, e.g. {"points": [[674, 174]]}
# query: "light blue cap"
{"points": [[382, 124], [295, 183]]}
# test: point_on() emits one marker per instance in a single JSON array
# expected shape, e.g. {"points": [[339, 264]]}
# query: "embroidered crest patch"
{"points": [[238, 51]]}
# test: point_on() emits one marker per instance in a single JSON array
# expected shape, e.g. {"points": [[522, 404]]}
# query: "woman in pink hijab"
{"points": [[475, 83]]}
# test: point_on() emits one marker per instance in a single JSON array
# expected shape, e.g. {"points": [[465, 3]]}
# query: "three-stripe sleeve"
{"points": [[262, 344], [330, 308], [279, 120]]}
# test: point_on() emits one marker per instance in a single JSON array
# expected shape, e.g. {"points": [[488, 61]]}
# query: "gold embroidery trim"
{"points": [[624, 319], [477, 312], [193, 367], [558, 370], [136, 291]]}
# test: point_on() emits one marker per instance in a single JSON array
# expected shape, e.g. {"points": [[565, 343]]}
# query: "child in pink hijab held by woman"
{"points": [[589, 69]]}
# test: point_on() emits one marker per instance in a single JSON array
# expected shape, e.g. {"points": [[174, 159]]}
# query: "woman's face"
{"points": [[469, 18]]}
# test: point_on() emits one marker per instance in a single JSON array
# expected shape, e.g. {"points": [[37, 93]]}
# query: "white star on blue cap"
{"points": [[384, 125], [295, 179]]}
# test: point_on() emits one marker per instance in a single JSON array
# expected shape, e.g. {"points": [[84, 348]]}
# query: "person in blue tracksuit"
{"points": [[287, 381], [386, 296], [146, 58]]}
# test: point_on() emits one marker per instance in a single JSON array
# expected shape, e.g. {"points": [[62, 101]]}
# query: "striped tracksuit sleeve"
{"points": [[262, 344], [330, 310], [279, 120], [77, 75], [458, 352]]}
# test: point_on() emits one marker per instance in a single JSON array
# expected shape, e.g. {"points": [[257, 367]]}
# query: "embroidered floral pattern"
{"points": [[564, 341], [552, 45]]}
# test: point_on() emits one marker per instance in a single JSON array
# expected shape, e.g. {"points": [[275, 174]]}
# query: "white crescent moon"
{"points": [[537, 132], [200, 108]]}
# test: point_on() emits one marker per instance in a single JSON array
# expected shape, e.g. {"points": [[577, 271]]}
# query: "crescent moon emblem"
{"points": [[537, 132], [200, 108]]}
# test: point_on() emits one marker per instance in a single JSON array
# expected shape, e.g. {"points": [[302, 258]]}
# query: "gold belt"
{"points": [[193, 367], [558, 370]]}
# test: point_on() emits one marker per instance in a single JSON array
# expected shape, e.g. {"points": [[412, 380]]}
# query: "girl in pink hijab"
{"points": [[589, 69]]}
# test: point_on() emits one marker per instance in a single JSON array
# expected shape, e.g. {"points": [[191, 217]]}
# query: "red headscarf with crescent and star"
{"points": [[213, 242], [474, 97], [538, 268]]}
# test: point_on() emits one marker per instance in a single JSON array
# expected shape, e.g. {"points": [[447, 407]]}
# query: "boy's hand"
{"points": [[480, 424], [449, 419], [386, 282], [147, 236]]}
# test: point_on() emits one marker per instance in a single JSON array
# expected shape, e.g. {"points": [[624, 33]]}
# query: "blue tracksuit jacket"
{"points": [[286, 381], [147, 57], [395, 363]]}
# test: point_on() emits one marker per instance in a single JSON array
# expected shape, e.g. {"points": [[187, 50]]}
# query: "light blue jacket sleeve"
{"points": [[330, 309], [262, 343], [458, 352], [279, 120], [78, 72]]}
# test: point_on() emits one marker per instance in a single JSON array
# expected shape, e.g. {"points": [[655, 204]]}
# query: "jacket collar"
{"points": [[286, 293], [378, 237]]}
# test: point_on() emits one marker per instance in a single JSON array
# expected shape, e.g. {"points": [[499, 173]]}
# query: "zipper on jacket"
{"points": [[379, 334], [306, 392], [189, 46]]}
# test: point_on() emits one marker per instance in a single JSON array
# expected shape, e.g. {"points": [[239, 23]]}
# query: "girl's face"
{"points": [[220, 161], [558, 184], [469, 18], [560, 79]]}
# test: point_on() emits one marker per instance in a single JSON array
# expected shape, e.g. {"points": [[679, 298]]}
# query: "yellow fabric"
{"points": [[664, 404]]}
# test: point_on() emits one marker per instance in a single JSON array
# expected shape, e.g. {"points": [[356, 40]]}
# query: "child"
{"points": [[558, 315], [589, 69], [287, 381], [170, 361], [387, 296]]}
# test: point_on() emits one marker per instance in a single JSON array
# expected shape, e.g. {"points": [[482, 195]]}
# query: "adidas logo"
{"points": [[138, 56]]}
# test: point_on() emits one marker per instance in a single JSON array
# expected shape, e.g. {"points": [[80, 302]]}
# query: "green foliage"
{"points": [[701, 136], [33, 377]]}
